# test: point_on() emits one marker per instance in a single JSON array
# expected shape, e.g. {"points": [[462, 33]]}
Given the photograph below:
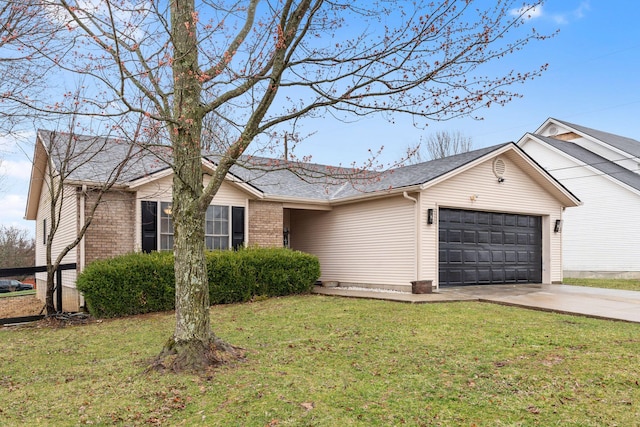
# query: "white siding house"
{"points": [[602, 237]]}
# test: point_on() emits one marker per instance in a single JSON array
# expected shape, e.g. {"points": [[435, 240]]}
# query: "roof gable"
{"points": [[591, 159], [628, 146]]}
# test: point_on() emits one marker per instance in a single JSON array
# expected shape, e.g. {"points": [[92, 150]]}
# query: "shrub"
{"points": [[142, 283], [281, 272], [129, 284], [231, 279]]}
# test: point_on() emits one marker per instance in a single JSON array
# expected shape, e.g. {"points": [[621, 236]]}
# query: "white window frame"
{"points": [[165, 227], [217, 227]]}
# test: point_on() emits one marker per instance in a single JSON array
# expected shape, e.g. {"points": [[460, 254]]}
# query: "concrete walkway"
{"points": [[592, 302]]}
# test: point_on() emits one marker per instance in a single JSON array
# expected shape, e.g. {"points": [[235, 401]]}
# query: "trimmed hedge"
{"points": [[142, 283], [129, 284]]}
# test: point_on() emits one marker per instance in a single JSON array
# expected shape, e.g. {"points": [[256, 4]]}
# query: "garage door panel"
{"points": [[484, 276], [497, 276], [509, 238], [454, 236], [469, 237], [469, 275], [487, 247], [509, 220], [484, 256], [523, 275], [455, 256], [470, 257]]}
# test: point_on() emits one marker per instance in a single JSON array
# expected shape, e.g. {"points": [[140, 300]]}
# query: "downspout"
{"points": [[417, 231]]}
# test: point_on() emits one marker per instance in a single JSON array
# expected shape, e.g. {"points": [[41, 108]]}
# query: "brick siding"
{"points": [[265, 224], [112, 231]]}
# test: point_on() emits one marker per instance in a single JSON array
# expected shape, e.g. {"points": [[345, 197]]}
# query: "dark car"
{"points": [[7, 285]]}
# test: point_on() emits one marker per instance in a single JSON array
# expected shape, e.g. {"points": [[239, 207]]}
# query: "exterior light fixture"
{"points": [[429, 216], [558, 226]]}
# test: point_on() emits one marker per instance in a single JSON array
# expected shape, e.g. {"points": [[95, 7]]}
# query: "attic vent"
{"points": [[553, 130], [499, 167]]}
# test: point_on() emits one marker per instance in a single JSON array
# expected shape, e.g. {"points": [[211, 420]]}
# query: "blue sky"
{"points": [[593, 80]]}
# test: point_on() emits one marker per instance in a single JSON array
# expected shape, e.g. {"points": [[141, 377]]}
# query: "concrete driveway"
{"points": [[592, 302]]}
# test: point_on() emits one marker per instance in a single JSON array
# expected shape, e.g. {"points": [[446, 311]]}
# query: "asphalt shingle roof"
{"points": [[94, 159], [313, 181], [628, 145]]}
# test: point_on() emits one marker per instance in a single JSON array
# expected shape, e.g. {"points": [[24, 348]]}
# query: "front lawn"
{"points": [[625, 284], [326, 361]]}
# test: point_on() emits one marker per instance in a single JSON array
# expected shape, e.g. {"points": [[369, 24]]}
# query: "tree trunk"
{"points": [[50, 289], [193, 346]]}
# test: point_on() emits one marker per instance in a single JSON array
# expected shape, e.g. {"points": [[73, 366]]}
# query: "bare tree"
{"points": [[256, 67], [438, 145], [17, 249], [27, 38], [69, 161]]}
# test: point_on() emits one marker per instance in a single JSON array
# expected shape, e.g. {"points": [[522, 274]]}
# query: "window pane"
{"points": [[166, 242], [166, 227], [217, 227], [221, 243]]}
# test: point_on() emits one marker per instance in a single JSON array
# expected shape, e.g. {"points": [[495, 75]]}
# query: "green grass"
{"points": [[625, 284], [17, 294], [323, 361]]}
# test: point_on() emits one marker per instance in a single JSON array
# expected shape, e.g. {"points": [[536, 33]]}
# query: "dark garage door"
{"points": [[478, 248]]}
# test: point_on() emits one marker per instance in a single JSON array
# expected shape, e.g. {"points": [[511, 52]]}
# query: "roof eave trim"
{"points": [[375, 194], [36, 179]]}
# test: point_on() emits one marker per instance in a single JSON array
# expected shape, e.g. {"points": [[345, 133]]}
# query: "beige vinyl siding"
{"points": [[67, 228], [161, 190], [372, 242], [65, 234], [602, 234], [478, 189]]}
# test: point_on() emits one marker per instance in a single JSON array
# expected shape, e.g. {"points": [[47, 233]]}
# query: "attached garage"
{"points": [[478, 218], [482, 248]]}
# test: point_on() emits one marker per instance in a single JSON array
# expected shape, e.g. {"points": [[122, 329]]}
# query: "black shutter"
{"points": [[149, 226], [237, 227]]}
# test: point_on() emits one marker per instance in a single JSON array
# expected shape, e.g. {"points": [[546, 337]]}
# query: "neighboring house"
{"points": [[602, 237], [487, 216]]}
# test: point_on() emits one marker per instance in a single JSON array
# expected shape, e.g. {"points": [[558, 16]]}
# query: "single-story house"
{"points": [[602, 237], [488, 216]]}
